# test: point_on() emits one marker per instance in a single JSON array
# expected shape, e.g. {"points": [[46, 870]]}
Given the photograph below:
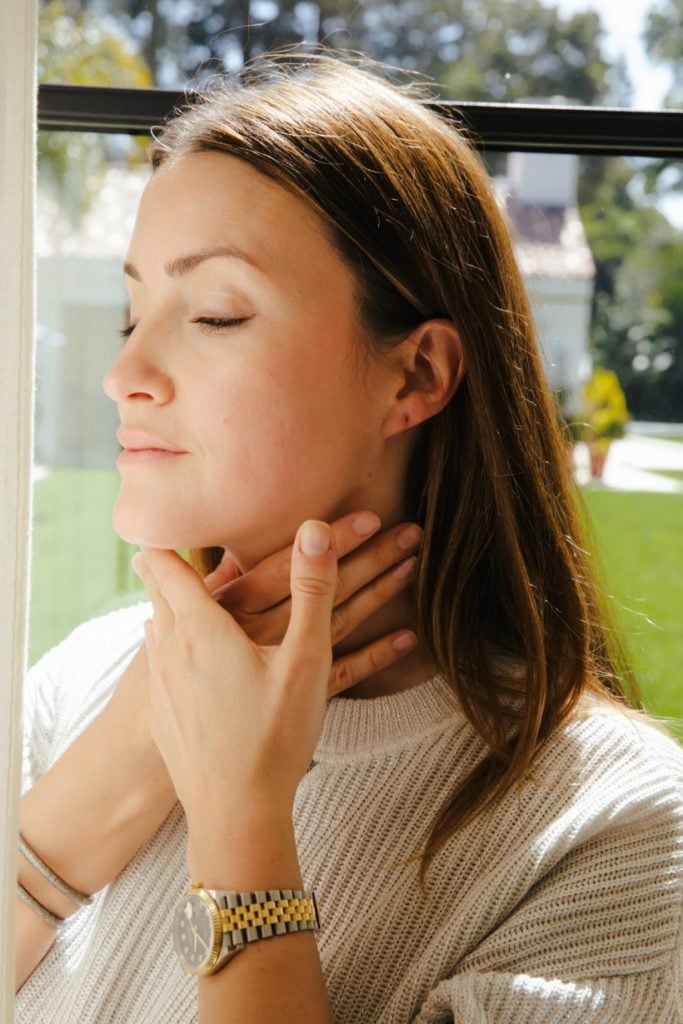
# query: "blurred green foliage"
{"points": [[77, 49]]}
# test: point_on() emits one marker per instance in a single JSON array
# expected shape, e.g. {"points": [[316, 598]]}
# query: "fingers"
{"points": [[163, 615], [353, 668], [222, 575], [267, 584], [384, 552], [175, 589], [346, 617], [314, 578]]}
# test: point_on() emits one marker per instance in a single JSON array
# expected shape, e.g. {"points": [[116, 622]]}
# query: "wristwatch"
{"points": [[210, 926]]}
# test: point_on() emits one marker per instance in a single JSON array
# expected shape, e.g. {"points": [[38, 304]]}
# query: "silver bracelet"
{"points": [[48, 873], [39, 909]]}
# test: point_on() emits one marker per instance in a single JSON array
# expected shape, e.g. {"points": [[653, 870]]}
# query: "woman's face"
{"points": [[277, 418]]}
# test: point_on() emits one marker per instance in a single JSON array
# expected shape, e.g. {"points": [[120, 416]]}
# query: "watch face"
{"points": [[197, 932]]}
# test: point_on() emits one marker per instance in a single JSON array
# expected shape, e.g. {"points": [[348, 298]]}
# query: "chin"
{"points": [[145, 532], [157, 521]]}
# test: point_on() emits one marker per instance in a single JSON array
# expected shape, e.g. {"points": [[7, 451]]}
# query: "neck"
{"points": [[411, 670]]}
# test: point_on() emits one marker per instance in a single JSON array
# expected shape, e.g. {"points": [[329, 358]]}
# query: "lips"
{"points": [[138, 440]]}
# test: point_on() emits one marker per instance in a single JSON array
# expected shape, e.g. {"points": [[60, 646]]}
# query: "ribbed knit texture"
{"points": [[562, 906]]}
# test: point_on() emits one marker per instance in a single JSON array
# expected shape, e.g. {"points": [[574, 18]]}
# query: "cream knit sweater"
{"points": [[563, 906]]}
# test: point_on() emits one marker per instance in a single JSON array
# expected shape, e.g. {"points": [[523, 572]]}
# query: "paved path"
{"points": [[632, 464]]}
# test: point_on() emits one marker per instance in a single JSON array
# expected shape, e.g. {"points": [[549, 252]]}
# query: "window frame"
{"points": [[540, 128]]}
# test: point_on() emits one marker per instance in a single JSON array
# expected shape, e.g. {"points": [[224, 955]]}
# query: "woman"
{"points": [[327, 316]]}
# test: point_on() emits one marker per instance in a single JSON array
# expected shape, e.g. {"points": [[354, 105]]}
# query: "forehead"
{"points": [[210, 199]]}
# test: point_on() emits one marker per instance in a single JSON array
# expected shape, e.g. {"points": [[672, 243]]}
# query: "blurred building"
{"points": [[540, 196]]}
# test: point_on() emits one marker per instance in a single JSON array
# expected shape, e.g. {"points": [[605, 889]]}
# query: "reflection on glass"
{"points": [[602, 266], [481, 50]]}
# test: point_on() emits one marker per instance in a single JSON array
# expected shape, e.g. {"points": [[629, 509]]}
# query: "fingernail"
{"points": [[404, 569], [404, 641], [315, 538], [365, 523], [409, 538]]}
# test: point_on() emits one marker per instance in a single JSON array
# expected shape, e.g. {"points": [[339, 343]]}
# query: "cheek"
{"points": [[289, 424]]}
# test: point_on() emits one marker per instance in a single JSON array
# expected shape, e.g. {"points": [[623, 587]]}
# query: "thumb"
{"points": [[313, 582]]}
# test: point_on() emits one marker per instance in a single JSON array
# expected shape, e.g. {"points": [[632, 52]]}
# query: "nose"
{"points": [[137, 372]]}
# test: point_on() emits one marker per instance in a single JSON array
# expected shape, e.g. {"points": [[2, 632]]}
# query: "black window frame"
{"points": [[541, 128]]}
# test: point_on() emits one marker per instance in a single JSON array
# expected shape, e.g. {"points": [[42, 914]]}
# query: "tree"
{"points": [[494, 51], [652, 287], [638, 308], [663, 38], [637, 330], [74, 47], [637, 322], [530, 48]]}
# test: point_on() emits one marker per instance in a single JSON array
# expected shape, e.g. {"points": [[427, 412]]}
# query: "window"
{"points": [[590, 194]]}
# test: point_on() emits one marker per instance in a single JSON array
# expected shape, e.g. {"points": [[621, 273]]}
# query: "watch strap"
{"points": [[260, 914]]}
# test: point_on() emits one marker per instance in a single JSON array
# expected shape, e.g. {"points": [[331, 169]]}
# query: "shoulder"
{"points": [[606, 786], [611, 779], [607, 746], [70, 684], [585, 858]]}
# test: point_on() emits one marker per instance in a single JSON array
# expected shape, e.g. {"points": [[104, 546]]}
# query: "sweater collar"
{"points": [[357, 726]]}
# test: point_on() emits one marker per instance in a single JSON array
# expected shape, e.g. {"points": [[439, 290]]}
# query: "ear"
{"points": [[430, 368]]}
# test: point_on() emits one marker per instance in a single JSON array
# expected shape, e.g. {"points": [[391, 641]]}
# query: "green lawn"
{"points": [[640, 540], [81, 569]]}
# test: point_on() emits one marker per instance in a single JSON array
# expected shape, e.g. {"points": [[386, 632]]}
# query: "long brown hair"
{"points": [[408, 203]]}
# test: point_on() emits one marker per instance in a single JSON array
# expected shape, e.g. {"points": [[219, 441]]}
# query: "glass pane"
{"points": [[88, 188], [602, 265], [614, 54]]}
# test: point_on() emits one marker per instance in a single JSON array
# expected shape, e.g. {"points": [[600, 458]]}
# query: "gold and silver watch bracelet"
{"points": [[261, 913]]}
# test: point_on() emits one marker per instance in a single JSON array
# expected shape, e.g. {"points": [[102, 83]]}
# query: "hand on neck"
{"points": [[414, 668]]}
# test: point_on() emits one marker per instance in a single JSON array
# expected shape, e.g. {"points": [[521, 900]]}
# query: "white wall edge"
{"points": [[18, 45]]}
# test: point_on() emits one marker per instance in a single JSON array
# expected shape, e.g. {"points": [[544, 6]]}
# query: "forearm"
{"points": [[100, 801], [275, 980], [86, 818]]}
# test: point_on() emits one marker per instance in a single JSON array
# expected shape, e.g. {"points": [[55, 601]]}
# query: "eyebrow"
{"points": [[182, 265]]}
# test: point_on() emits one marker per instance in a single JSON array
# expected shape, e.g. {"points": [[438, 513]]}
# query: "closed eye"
{"points": [[211, 323], [220, 323]]}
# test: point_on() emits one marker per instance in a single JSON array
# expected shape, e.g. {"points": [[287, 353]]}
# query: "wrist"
{"points": [[42, 890], [233, 851], [93, 809]]}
